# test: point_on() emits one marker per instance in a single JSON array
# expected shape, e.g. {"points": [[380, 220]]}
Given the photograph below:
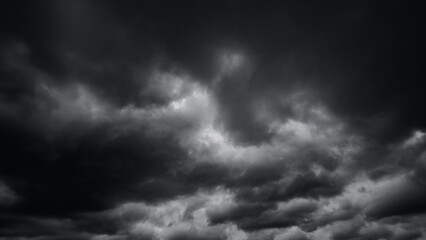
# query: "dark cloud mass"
{"points": [[212, 120]]}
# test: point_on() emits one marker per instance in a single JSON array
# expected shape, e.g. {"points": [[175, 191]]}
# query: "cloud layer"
{"points": [[227, 120]]}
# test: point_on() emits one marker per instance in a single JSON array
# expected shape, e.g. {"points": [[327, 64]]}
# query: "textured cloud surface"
{"points": [[230, 120]]}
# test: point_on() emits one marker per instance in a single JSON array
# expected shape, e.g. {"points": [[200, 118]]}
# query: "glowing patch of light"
{"points": [[232, 61], [299, 130], [416, 138], [179, 104], [210, 136]]}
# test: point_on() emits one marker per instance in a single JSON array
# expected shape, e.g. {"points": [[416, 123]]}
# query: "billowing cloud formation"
{"points": [[227, 120]]}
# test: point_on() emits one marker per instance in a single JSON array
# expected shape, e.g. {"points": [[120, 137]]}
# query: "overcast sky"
{"points": [[212, 120]]}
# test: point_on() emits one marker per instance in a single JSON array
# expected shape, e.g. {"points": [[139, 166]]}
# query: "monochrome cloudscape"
{"points": [[212, 120]]}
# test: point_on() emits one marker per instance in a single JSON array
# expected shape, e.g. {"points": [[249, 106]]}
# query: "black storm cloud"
{"points": [[212, 120]]}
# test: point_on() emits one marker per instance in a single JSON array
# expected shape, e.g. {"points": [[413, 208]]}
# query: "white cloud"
{"points": [[416, 138], [183, 215], [296, 129], [291, 233]]}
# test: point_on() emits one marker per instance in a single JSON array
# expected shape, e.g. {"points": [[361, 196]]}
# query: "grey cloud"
{"points": [[294, 213], [219, 120], [344, 213], [237, 212], [292, 233], [414, 234], [305, 184], [376, 232], [7, 196], [34, 227], [192, 236], [405, 199], [347, 229]]}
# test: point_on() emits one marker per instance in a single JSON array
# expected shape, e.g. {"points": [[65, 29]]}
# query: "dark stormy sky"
{"points": [[212, 120]]}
